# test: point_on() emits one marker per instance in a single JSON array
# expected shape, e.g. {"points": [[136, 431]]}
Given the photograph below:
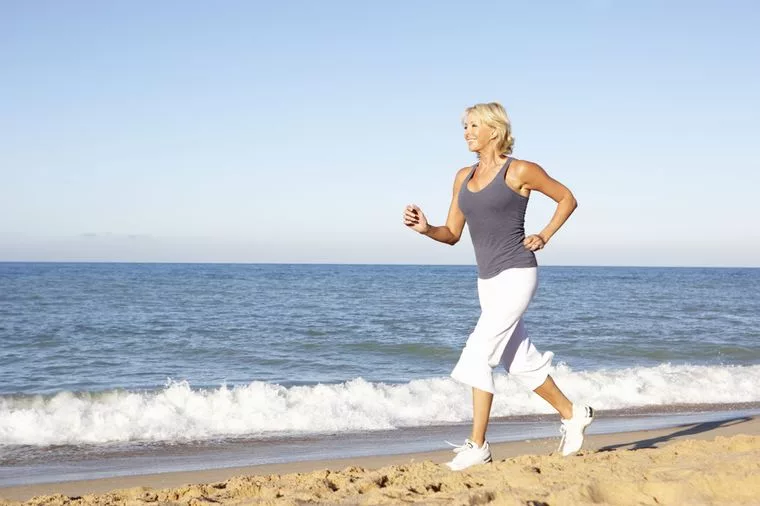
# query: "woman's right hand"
{"points": [[415, 219]]}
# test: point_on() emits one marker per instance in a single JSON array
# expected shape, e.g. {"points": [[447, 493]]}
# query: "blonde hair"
{"points": [[494, 115]]}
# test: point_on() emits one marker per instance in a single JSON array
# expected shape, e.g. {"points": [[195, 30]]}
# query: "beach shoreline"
{"points": [[24, 465], [598, 446]]}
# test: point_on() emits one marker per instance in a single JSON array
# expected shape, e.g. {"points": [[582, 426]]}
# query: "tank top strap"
{"points": [[472, 173], [507, 164]]}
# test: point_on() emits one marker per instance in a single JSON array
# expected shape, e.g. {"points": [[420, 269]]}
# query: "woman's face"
{"points": [[476, 134]]}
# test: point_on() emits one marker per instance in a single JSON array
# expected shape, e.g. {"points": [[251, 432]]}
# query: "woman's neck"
{"points": [[489, 159]]}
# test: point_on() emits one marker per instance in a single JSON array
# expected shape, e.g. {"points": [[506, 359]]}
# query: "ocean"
{"points": [[109, 369]]}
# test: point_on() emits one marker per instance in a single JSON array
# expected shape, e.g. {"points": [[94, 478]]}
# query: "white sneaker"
{"points": [[572, 430], [469, 454]]}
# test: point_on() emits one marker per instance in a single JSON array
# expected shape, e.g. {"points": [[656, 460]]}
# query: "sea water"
{"points": [[104, 359]]}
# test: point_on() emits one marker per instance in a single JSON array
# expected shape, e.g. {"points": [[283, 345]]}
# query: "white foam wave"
{"points": [[179, 413]]}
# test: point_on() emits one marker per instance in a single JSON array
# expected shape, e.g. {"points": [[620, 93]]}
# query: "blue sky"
{"points": [[196, 131]]}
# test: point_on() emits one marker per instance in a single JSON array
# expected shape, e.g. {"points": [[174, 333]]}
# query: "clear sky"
{"points": [[196, 131]]}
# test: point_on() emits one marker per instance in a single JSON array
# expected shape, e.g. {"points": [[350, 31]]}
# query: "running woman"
{"points": [[491, 197]]}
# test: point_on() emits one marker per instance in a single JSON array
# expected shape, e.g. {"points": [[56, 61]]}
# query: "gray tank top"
{"points": [[495, 216]]}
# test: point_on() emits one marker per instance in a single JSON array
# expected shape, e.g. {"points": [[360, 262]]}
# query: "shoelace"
{"points": [[460, 448], [563, 431]]}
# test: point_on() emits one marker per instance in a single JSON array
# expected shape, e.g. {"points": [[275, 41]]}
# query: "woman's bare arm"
{"points": [[533, 177], [451, 232]]}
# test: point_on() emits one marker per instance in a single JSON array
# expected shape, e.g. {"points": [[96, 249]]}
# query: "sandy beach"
{"points": [[707, 463]]}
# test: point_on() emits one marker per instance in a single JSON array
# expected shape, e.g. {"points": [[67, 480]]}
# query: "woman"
{"points": [[491, 197]]}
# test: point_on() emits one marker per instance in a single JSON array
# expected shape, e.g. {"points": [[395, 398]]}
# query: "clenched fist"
{"points": [[415, 219]]}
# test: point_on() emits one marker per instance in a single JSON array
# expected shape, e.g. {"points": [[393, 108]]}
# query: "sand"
{"points": [[700, 464]]}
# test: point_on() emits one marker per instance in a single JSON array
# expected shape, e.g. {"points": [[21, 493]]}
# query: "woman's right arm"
{"points": [[451, 232]]}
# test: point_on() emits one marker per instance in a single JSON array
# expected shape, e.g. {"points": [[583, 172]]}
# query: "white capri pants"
{"points": [[500, 336]]}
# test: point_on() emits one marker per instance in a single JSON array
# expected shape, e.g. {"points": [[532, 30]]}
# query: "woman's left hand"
{"points": [[534, 242]]}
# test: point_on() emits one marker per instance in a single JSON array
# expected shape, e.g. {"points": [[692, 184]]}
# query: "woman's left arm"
{"points": [[533, 177]]}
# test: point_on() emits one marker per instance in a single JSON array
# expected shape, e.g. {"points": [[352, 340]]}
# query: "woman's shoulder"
{"points": [[460, 176], [463, 173], [518, 166]]}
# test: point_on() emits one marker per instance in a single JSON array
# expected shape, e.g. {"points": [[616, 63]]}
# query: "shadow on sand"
{"points": [[686, 430]]}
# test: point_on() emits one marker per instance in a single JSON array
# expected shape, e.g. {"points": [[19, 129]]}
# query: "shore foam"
{"points": [[177, 412]]}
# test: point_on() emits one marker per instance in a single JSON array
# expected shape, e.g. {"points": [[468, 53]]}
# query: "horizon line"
{"points": [[122, 262]]}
